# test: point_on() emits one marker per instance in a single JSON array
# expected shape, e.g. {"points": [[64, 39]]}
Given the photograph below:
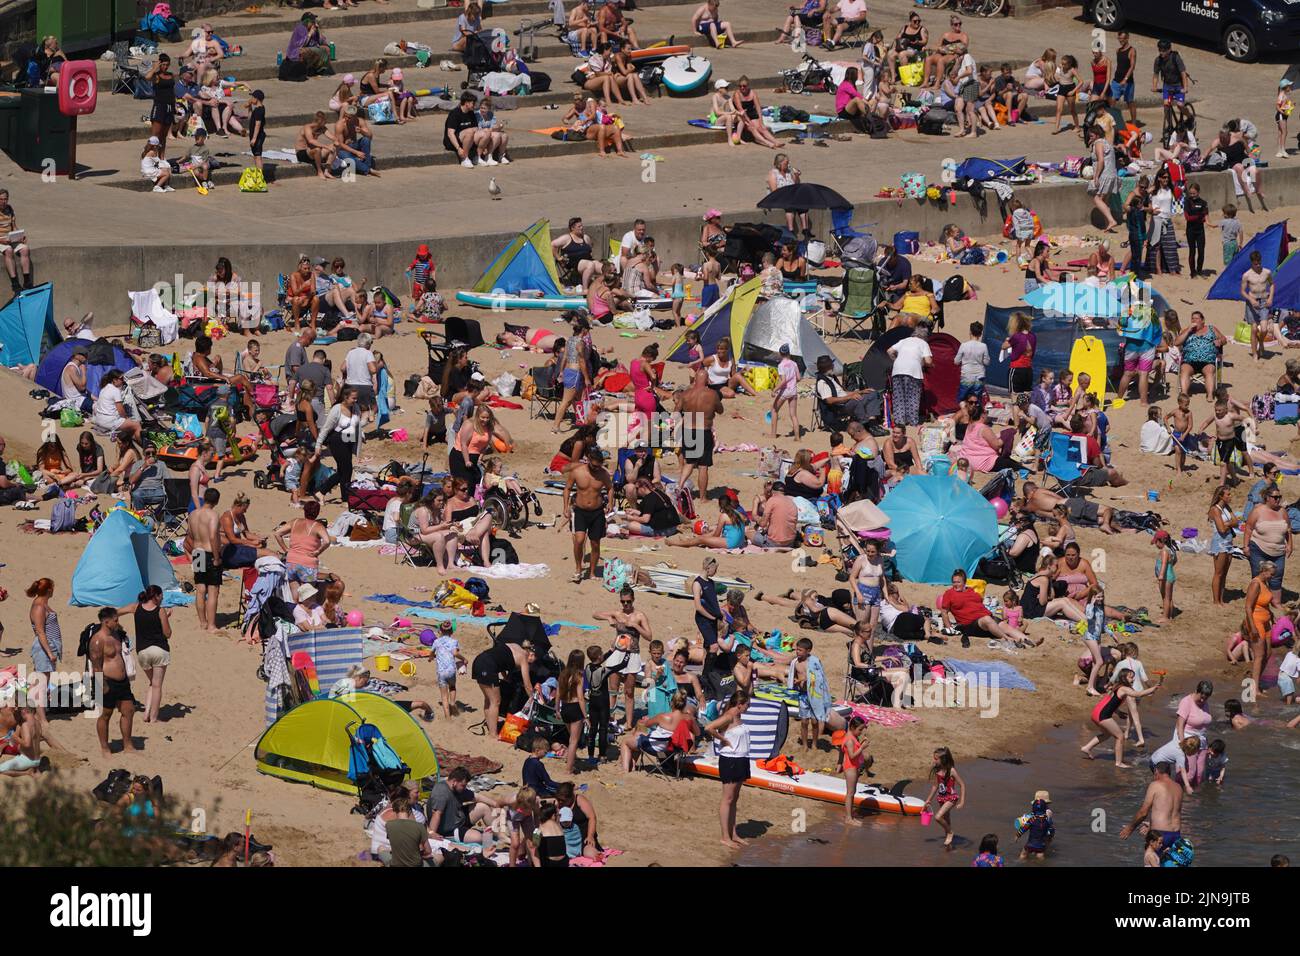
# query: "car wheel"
{"points": [[1239, 43], [1108, 14]]}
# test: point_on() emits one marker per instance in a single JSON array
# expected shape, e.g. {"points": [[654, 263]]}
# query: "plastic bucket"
{"points": [[383, 662], [407, 669], [926, 817]]}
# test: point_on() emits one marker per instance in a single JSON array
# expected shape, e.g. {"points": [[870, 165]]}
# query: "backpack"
{"points": [[63, 515], [251, 180], [292, 71], [540, 82], [877, 127], [478, 587], [685, 502]]}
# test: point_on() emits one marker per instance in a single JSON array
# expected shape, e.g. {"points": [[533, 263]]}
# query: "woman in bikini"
{"points": [[866, 584], [1103, 715]]}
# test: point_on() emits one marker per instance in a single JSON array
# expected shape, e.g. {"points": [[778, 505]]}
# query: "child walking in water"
{"points": [[1131, 663], [947, 791], [856, 762], [1166, 558], [1103, 715]]}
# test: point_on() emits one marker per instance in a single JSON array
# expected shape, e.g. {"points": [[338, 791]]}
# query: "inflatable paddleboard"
{"points": [[499, 302], [686, 74], [815, 786], [656, 54], [1089, 355], [488, 300]]}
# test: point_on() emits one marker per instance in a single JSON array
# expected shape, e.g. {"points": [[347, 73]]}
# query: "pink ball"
{"points": [[356, 619], [1000, 507], [427, 637]]}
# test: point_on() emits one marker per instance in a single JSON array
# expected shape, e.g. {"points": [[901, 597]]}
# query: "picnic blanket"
{"points": [[427, 609], [1008, 677], [449, 760]]}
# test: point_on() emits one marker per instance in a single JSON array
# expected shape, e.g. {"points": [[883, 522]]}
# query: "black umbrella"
{"points": [[804, 196]]}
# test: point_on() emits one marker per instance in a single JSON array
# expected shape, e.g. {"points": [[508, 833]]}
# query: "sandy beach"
{"points": [[203, 748]]}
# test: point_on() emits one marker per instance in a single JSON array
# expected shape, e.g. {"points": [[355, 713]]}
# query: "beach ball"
{"points": [[1282, 629], [1000, 507], [356, 618], [427, 637]]}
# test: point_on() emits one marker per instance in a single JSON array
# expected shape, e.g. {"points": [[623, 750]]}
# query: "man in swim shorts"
{"points": [[1161, 809], [590, 485], [698, 405], [201, 544]]}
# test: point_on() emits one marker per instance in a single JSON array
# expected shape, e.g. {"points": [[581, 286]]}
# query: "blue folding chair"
{"points": [[843, 231], [1067, 463]]}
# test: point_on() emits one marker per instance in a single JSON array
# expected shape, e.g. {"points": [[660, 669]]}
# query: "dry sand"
{"points": [[213, 699]]}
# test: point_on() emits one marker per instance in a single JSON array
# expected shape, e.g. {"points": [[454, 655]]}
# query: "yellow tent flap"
{"points": [[312, 743]]}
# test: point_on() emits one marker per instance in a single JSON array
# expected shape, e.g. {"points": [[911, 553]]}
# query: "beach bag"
{"points": [[685, 502], [293, 71], [913, 185], [1242, 333], [512, 727], [128, 658], [911, 74], [932, 122], [251, 180], [1073, 166], [63, 515], [70, 418], [381, 112], [506, 384], [149, 336]]}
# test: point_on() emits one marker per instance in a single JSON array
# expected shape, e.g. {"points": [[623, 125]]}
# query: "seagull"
{"points": [[493, 189]]}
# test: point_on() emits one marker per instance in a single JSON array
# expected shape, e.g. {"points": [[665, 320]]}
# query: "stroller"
{"points": [[373, 765], [858, 522], [479, 59], [810, 76]]}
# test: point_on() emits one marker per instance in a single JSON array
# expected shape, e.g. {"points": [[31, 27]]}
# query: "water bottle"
{"points": [[279, 58]]}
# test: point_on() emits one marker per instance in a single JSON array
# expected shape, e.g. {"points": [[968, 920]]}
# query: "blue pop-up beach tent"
{"points": [[50, 372], [120, 560], [1271, 245], [27, 326]]}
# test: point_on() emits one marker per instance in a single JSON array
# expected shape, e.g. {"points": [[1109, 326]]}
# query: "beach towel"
{"points": [[818, 696], [431, 611], [449, 760], [884, 716], [1008, 677], [548, 130]]}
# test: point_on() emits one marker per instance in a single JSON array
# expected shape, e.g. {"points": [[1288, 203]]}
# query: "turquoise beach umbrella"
{"points": [[938, 524]]}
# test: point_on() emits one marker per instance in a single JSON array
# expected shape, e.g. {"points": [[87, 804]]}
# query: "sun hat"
{"points": [[422, 250], [349, 79], [306, 593], [1043, 795], [712, 214]]}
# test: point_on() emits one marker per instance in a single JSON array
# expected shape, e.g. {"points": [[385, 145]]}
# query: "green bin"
{"points": [[78, 24], [44, 133], [9, 109]]}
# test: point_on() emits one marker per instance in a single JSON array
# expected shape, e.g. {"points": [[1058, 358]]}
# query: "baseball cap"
{"points": [[1285, 82], [784, 349], [199, 131], [349, 79], [565, 815], [721, 85], [477, 377], [153, 141]]}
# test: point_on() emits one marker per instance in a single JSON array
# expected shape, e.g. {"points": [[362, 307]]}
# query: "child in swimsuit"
{"points": [[679, 292], [1179, 423], [1166, 558]]}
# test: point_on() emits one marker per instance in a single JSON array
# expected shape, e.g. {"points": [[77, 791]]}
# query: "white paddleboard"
{"points": [[686, 74]]}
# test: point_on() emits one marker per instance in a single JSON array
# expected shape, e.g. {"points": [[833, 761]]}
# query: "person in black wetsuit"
{"points": [[708, 613], [163, 113]]}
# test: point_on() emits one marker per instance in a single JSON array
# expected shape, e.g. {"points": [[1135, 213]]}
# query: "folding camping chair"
{"points": [[1067, 464], [842, 235], [546, 393], [668, 763], [859, 301], [127, 70], [411, 552], [171, 519]]}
